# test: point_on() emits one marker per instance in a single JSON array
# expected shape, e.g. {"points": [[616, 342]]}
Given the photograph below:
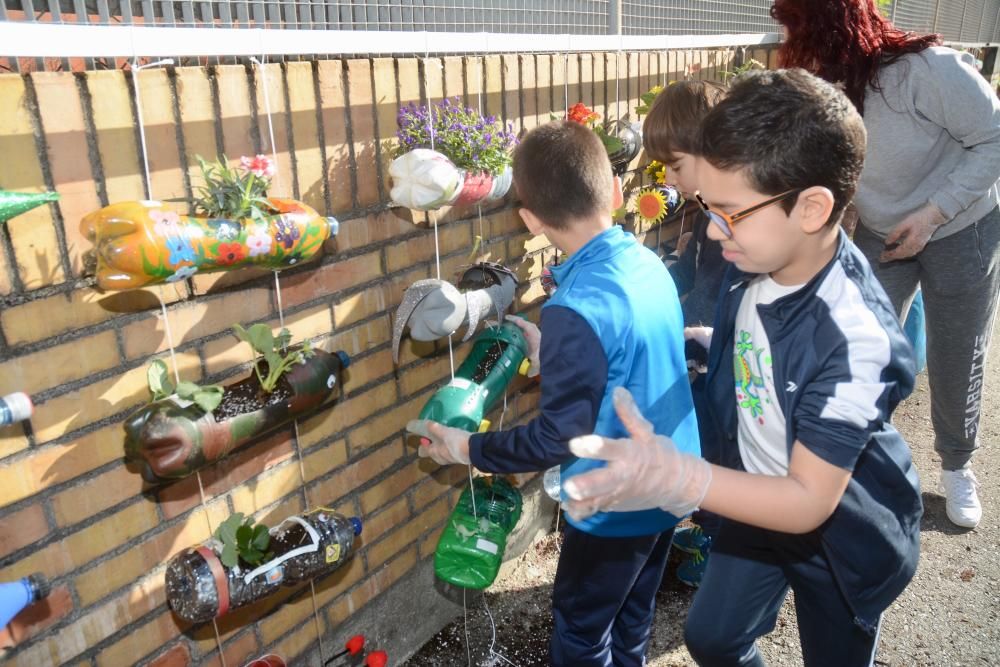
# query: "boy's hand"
{"points": [[533, 336], [644, 471], [443, 444], [911, 235], [701, 335], [682, 243]]}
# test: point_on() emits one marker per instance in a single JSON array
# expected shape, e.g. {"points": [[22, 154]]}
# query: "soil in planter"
{"points": [[479, 279], [488, 362], [246, 396]]}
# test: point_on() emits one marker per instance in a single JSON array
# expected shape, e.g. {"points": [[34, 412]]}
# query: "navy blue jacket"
{"points": [[698, 273], [614, 321], [841, 366]]}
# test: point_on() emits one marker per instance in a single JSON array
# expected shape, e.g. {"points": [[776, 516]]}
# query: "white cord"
{"points": [[270, 124], [136, 67]]}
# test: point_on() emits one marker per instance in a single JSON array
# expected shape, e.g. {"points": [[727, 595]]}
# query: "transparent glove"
{"points": [[442, 444], [701, 335], [533, 336], [644, 471]]}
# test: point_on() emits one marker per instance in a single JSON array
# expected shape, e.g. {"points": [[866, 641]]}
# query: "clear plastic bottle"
{"points": [[552, 483], [14, 408]]}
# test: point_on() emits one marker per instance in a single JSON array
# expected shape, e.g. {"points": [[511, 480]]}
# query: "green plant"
{"points": [[234, 193], [750, 64], [582, 114], [274, 350], [161, 386], [470, 141], [646, 100], [242, 541]]}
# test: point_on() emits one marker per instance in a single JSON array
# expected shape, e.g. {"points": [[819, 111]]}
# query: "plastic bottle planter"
{"points": [[471, 547], [425, 180], [200, 587], [497, 354], [435, 308], [630, 136], [172, 438], [15, 407], [139, 243], [16, 203]]}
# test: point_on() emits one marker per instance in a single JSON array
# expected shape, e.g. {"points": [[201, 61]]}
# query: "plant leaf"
{"points": [[229, 555], [242, 334], [283, 339], [261, 338], [158, 378], [261, 537], [208, 398], [244, 536]]}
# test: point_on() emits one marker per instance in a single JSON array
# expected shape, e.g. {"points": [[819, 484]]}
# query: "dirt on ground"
{"points": [[949, 614]]}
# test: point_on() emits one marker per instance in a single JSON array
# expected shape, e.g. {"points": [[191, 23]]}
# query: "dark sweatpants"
{"points": [[745, 584], [959, 276], [603, 598]]}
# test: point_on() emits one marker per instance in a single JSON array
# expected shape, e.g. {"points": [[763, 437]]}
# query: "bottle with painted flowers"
{"points": [[233, 223]]}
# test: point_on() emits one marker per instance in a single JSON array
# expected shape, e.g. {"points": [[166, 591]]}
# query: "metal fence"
{"points": [[973, 21]]}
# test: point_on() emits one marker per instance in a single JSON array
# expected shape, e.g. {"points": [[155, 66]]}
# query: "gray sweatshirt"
{"points": [[933, 135]]}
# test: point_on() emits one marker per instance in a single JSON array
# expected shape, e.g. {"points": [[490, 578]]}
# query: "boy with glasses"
{"points": [[807, 362]]}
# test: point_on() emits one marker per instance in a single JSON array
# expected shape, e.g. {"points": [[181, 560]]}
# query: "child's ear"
{"points": [[813, 208], [531, 221], [617, 198]]}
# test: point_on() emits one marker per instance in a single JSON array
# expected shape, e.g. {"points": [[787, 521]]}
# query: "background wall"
{"points": [[68, 505]]}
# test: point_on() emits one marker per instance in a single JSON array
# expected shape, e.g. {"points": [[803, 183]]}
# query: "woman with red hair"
{"points": [[927, 201]]}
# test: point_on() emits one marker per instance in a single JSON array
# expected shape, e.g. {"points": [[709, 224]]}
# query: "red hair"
{"points": [[843, 41]]}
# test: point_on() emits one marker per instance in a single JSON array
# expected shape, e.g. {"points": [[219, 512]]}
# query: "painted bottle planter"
{"points": [[200, 588], [471, 547], [425, 180], [497, 354], [171, 438], [138, 243], [16, 203]]}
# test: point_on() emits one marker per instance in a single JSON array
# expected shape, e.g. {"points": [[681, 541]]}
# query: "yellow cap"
{"points": [[484, 426], [524, 367]]}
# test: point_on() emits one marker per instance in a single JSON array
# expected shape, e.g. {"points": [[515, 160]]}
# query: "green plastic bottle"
{"points": [[497, 354], [471, 547]]}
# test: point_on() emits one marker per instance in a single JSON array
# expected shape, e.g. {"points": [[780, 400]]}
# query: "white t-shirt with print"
{"points": [[761, 422]]}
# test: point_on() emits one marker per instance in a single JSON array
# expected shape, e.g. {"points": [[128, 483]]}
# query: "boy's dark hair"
{"points": [[674, 121], [562, 173], [787, 129]]}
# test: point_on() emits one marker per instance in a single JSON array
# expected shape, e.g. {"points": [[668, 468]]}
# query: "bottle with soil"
{"points": [[200, 587]]}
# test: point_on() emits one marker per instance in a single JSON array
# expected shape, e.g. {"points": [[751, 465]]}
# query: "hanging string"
{"points": [[136, 68], [267, 110]]}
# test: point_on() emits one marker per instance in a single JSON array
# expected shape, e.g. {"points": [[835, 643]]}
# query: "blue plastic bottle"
{"points": [[16, 595]]}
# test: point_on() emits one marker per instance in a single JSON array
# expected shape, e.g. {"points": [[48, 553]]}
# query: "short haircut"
{"points": [[674, 121], [562, 173], [787, 130]]}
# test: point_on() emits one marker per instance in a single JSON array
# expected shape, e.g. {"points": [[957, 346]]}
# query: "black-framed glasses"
{"points": [[725, 221]]}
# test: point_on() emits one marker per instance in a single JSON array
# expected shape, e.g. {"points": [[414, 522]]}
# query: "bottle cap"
{"points": [[345, 359], [19, 405], [356, 522], [39, 585]]}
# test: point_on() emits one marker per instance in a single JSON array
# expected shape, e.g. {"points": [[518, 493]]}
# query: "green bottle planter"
{"points": [[471, 547], [171, 438], [16, 203], [497, 354]]}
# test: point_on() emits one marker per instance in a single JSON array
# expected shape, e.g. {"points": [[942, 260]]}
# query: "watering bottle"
{"points": [[200, 587], [14, 408], [16, 595]]}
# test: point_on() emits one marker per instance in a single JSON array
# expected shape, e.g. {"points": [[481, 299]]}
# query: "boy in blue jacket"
{"points": [[807, 362], [615, 321]]}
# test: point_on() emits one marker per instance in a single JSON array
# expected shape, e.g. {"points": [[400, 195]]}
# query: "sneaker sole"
{"points": [[962, 523]]}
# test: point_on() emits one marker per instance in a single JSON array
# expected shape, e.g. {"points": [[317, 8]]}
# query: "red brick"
{"points": [[179, 655], [330, 278], [21, 528]]}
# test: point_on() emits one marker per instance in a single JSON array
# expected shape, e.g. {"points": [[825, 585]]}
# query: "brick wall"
{"points": [[68, 505]]}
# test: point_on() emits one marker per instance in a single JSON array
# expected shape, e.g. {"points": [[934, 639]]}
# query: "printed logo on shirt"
{"points": [[751, 363], [791, 387]]}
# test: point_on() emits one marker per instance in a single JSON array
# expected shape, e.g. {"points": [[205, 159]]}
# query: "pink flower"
{"points": [[260, 166], [165, 223]]}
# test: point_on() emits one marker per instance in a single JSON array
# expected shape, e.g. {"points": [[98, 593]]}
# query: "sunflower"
{"points": [[651, 205]]}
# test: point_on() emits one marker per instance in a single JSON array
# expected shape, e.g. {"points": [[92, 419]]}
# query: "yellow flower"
{"points": [[651, 205]]}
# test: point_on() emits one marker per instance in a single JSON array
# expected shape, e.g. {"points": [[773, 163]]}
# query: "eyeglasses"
{"points": [[725, 221]]}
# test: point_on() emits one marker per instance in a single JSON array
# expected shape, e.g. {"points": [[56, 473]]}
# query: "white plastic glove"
{"points": [[443, 444], [644, 471], [532, 336], [912, 233], [701, 335]]}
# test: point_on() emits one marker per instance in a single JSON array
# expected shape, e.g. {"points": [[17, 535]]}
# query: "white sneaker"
{"points": [[962, 504]]}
